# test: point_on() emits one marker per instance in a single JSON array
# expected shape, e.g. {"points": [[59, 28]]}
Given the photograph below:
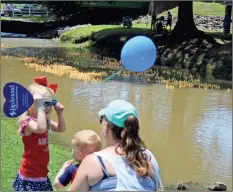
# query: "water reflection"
{"points": [[214, 136]]}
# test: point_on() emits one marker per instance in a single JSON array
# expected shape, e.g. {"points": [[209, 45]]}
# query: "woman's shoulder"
{"points": [[152, 158], [107, 154], [148, 152], [110, 153], [91, 159]]}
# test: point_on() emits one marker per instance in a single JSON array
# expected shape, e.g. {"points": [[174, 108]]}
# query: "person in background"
{"points": [[8, 10], [169, 19], [226, 25]]}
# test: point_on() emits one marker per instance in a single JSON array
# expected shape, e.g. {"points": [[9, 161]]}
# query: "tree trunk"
{"points": [[185, 26]]}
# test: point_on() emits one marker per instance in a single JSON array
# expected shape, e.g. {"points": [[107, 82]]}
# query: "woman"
{"points": [[124, 164]]}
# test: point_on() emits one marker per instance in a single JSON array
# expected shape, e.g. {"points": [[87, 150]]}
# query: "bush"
{"points": [[223, 69]]}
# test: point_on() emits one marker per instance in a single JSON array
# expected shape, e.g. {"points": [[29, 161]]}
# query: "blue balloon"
{"points": [[138, 54]]}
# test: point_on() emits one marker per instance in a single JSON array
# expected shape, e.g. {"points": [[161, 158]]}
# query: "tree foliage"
{"points": [[62, 8]]}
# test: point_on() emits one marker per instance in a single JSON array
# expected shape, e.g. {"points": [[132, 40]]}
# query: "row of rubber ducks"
{"points": [[60, 69], [71, 72]]}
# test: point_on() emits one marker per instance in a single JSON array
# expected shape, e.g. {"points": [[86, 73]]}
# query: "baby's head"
{"points": [[84, 143]]}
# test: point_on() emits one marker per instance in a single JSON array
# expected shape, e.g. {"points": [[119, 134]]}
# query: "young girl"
{"points": [[34, 127]]}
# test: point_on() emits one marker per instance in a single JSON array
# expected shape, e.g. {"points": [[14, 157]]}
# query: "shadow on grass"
{"points": [[109, 42], [219, 35], [201, 55]]}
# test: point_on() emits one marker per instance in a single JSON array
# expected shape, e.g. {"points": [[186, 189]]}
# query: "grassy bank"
{"points": [[101, 31], [12, 150], [83, 37], [202, 58]]}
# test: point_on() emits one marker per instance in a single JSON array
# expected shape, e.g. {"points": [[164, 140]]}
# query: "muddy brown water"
{"points": [[188, 130]]}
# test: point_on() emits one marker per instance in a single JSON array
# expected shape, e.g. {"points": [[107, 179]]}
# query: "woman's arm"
{"points": [[80, 182], [154, 171], [89, 173]]}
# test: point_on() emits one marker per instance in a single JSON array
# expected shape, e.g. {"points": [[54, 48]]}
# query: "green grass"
{"points": [[202, 8], [12, 150], [83, 34]]}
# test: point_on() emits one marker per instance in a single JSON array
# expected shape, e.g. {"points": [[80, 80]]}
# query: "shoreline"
{"points": [[11, 159], [97, 72]]}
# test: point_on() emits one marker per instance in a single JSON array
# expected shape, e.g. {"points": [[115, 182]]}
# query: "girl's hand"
{"points": [[67, 164], [59, 108]]}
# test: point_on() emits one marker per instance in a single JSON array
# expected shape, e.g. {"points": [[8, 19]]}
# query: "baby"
{"points": [[83, 143]]}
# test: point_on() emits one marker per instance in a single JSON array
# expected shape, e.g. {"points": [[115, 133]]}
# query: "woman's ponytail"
{"points": [[133, 147]]}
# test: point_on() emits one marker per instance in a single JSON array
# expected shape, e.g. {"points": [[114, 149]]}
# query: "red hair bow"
{"points": [[43, 81]]}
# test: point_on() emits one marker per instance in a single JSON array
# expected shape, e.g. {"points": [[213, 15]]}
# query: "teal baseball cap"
{"points": [[117, 112]]}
